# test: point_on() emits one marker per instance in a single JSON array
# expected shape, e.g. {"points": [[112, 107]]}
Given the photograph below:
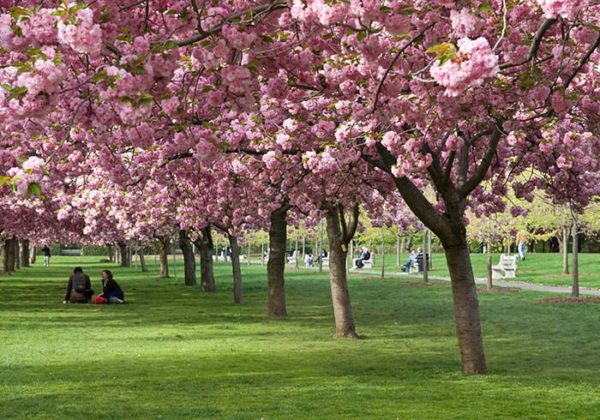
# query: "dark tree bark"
{"points": [[140, 252], [339, 234], [276, 263], [189, 261], [111, 253], [125, 262], [206, 248], [575, 263], [238, 293], [9, 255], [163, 245], [466, 308], [16, 251], [25, 253]]}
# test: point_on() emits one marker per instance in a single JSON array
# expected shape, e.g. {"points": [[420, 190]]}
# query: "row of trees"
{"points": [[126, 121]]}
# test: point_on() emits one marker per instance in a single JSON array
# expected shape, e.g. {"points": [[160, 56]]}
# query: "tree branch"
{"points": [[415, 199], [537, 40], [387, 71], [583, 61], [278, 4], [465, 189]]}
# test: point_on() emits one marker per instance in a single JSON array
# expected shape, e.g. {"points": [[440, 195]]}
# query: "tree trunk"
{"points": [[276, 263], [3, 256], [238, 294], [206, 249], [24, 253], [16, 253], [10, 264], [338, 280], [140, 252], [32, 255], [425, 262], [111, 252], [466, 309], [164, 244], [575, 263], [489, 266], [565, 244], [189, 261], [125, 262]]}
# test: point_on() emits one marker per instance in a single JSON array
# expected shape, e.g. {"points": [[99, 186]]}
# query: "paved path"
{"points": [[517, 284]]}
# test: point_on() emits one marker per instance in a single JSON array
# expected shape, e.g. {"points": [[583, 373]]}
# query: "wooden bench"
{"points": [[72, 252], [506, 268]]}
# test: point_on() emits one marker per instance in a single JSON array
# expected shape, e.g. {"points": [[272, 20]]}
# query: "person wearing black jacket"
{"points": [[111, 289]]}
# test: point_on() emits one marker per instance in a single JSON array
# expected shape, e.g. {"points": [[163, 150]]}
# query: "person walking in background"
{"points": [[111, 291], [79, 287], [46, 253], [522, 243]]}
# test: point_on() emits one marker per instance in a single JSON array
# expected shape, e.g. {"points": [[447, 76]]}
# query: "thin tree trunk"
{"points": [[164, 244], [397, 250], [140, 252], [124, 252], [338, 280], [575, 264], [466, 309], [425, 262], [276, 263], [489, 266], [3, 256], [206, 249], [111, 252], [565, 243], [9, 258], [32, 254], [189, 261], [16, 256], [25, 253], [238, 293]]}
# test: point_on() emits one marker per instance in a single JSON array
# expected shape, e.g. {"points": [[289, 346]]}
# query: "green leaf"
{"points": [[35, 189], [385, 9], [485, 8], [35, 53], [20, 13], [4, 179], [443, 52], [100, 75], [361, 35], [145, 99]]}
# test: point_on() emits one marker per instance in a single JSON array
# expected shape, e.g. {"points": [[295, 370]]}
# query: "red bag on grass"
{"points": [[100, 300]]}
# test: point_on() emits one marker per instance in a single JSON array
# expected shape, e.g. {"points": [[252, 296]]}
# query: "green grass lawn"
{"points": [[542, 268], [174, 352]]}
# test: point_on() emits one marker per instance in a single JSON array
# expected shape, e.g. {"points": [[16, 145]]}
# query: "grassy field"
{"points": [[174, 352], [537, 268]]}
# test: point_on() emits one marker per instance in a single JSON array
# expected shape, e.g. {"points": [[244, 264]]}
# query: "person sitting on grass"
{"points": [[79, 287], [111, 291]]}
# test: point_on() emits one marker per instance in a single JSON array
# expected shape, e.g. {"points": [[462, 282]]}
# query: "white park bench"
{"points": [[366, 263], [292, 258], [506, 268], [75, 252], [417, 264]]}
